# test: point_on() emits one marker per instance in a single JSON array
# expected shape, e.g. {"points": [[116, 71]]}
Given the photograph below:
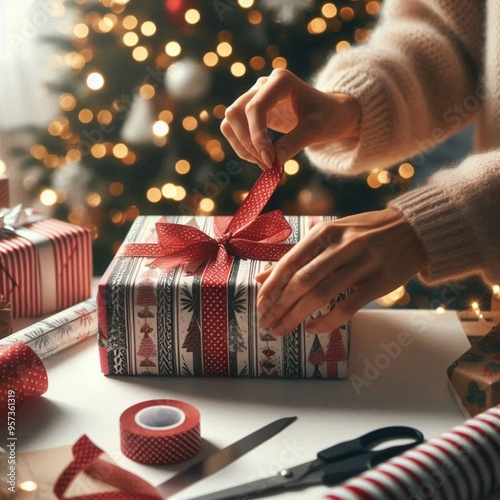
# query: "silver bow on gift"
{"points": [[14, 218]]}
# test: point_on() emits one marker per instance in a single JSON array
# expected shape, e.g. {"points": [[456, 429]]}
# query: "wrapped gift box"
{"points": [[152, 322], [45, 266], [474, 378]]}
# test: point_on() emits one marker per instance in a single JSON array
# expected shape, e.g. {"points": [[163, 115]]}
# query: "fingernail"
{"points": [[267, 158], [281, 156]]}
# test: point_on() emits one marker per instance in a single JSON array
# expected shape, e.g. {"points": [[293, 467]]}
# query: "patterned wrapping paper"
{"points": [[45, 267], [150, 322], [59, 331], [474, 378]]}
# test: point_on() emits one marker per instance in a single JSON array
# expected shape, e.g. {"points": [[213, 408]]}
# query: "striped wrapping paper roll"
{"points": [[461, 464]]}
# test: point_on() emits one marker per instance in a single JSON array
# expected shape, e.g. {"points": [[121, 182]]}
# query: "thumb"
{"points": [[294, 142]]}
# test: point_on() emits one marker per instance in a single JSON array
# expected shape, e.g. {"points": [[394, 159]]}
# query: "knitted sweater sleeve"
{"points": [[417, 83], [413, 80], [456, 215]]}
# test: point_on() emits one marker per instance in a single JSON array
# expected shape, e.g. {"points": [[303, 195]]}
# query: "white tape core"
{"points": [[160, 417]]}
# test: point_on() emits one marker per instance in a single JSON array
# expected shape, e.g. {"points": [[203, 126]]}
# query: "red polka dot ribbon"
{"points": [[246, 234], [22, 376], [86, 460]]}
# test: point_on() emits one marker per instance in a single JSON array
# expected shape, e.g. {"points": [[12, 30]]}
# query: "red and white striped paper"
{"points": [[45, 267], [461, 464]]}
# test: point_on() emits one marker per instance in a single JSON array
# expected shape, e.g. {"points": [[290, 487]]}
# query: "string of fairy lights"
{"points": [[136, 34]]}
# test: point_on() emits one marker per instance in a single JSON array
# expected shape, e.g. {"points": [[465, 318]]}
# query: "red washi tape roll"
{"points": [[160, 431]]}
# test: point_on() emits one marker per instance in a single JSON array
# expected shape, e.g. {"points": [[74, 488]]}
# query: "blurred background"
{"points": [[112, 108]]}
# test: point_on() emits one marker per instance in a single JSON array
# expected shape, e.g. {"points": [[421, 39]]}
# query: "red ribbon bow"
{"points": [[246, 235]]}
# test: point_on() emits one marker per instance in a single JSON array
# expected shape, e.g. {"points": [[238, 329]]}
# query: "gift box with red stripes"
{"points": [[45, 266]]}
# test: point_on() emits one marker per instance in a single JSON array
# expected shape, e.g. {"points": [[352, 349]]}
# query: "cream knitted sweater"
{"points": [[430, 68]]}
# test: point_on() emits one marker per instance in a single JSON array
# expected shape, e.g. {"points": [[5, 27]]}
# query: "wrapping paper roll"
{"points": [[462, 464], [160, 431], [58, 331]]}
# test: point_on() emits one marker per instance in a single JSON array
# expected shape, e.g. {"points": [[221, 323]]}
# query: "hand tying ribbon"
{"points": [[247, 235], [14, 218], [22, 376]]}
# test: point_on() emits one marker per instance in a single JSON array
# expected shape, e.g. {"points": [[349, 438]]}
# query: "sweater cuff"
{"points": [[343, 155], [443, 231]]}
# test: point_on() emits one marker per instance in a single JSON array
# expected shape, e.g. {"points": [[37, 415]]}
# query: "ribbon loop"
{"points": [[15, 218], [247, 234]]}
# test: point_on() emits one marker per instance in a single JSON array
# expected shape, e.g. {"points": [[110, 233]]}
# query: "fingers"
{"points": [[343, 311], [235, 127], [246, 121], [318, 239], [278, 86], [314, 300], [263, 275]]}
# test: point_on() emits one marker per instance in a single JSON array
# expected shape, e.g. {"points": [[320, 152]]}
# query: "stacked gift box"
{"points": [[45, 264], [153, 322], [474, 378]]}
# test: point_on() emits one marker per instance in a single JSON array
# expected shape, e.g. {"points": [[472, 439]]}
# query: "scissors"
{"points": [[332, 465]]}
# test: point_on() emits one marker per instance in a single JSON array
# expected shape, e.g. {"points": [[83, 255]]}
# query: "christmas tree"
{"points": [[316, 356], [146, 85]]}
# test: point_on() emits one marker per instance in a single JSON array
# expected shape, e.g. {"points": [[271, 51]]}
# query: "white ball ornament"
{"points": [[187, 80]]}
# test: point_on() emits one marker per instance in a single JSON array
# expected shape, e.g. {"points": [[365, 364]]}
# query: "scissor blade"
{"points": [[292, 478], [253, 489], [221, 458]]}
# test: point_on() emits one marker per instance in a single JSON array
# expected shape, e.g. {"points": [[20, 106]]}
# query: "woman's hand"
{"points": [[373, 252], [284, 103]]}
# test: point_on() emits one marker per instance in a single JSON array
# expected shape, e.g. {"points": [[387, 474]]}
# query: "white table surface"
{"points": [[412, 391]]}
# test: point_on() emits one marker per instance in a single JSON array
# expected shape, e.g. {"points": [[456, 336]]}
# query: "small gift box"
{"points": [[180, 298], [45, 264], [5, 318], [474, 378]]}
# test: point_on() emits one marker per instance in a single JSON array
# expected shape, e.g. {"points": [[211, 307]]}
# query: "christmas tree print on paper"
{"points": [[475, 395], [191, 302], [147, 350], [146, 297], [316, 357], [268, 362], [335, 352], [492, 369]]}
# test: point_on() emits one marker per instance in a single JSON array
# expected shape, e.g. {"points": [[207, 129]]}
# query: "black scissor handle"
{"points": [[351, 458], [366, 443]]}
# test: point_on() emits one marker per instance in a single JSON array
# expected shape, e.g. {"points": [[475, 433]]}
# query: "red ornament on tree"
{"points": [[176, 10]]}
